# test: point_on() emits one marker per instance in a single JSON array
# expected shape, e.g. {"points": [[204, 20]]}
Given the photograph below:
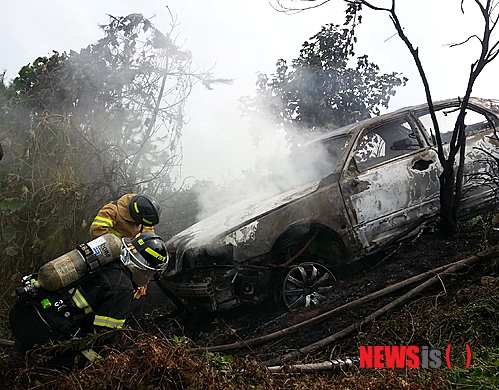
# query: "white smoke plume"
{"points": [[278, 168]]}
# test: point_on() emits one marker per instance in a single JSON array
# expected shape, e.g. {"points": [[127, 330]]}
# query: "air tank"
{"points": [[81, 261]]}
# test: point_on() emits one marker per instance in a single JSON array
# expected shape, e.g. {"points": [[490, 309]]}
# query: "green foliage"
{"points": [[482, 374], [484, 224], [42, 191], [180, 340], [220, 363], [10, 205], [325, 87]]}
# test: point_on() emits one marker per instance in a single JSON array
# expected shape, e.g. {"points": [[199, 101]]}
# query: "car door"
{"points": [[481, 148], [391, 181]]}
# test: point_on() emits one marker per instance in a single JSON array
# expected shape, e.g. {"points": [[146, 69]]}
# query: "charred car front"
{"points": [[379, 183]]}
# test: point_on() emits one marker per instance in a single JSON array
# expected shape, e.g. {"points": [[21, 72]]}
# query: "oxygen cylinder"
{"points": [[81, 261]]}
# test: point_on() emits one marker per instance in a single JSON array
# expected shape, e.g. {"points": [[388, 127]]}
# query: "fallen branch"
{"points": [[345, 332], [328, 314], [7, 343]]}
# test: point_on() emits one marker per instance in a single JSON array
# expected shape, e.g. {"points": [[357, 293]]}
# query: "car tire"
{"points": [[304, 285]]}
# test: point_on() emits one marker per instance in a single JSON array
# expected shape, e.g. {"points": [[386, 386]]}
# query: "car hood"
{"points": [[232, 218]]}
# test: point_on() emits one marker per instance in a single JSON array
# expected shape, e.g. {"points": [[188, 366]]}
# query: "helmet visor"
{"points": [[141, 273], [146, 257]]}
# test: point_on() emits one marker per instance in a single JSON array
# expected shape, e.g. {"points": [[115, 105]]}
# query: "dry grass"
{"points": [[163, 364], [466, 314]]}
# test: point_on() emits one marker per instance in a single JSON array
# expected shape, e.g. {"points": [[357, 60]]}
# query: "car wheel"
{"points": [[305, 285]]}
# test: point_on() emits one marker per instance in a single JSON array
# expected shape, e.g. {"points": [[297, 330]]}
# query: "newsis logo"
{"points": [[411, 356]]}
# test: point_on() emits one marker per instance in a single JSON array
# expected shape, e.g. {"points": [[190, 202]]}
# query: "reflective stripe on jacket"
{"points": [[105, 298]]}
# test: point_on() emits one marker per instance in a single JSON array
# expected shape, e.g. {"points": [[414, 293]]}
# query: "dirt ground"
{"points": [[427, 251]]}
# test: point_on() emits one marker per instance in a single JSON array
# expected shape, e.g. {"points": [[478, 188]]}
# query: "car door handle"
{"points": [[422, 165]]}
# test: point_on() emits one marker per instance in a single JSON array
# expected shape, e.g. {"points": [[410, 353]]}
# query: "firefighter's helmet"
{"points": [[144, 209], [144, 255]]}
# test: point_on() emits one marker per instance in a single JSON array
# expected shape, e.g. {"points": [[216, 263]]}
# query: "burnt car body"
{"points": [[379, 185]]}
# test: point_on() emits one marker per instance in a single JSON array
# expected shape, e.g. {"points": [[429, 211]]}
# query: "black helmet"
{"points": [[144, 255], [148, 250], [145, 209]]}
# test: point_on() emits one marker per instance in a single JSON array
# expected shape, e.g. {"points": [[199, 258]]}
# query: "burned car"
{"points": [[378, 185]]}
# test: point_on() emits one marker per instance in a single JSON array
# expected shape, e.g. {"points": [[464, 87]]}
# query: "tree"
{"points": [[148, 78], [81, 128], [451, 178], [321, 89]]}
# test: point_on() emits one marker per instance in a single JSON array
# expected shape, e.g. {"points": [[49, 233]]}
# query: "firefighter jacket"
{"points": [[114, 217], [104, 299], [98, 302]]}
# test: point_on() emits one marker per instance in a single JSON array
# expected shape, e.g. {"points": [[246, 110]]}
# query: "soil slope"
{"points": [[373, 273]]}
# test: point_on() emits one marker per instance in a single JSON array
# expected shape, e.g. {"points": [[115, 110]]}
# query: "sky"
{"points": [[238, 40]]}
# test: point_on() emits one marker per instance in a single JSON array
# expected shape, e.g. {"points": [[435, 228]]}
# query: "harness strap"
{"points": [[89, 256]]}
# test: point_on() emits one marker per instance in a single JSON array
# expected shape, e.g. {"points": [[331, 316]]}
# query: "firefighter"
{"points": [[126, 217], [97, 302]]}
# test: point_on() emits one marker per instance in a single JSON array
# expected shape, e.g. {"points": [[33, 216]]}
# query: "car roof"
{"points": [[350, 128]]}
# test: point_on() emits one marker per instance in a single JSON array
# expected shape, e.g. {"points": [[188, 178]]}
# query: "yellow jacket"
{"points": [[115, 218]]}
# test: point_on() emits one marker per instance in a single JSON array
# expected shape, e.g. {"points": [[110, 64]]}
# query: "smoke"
{"points": [[279, 167]]}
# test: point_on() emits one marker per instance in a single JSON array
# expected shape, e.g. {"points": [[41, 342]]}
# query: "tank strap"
{"points": [[89, 256]]}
